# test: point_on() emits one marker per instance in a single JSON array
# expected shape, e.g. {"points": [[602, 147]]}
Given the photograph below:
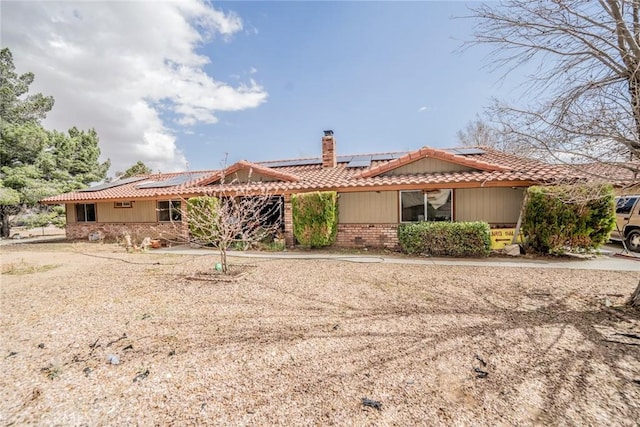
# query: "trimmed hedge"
{"points": [[560, 217], [315, 218], [458, 239]]}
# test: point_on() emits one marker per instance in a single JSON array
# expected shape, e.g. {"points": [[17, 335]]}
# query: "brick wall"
{"points": [[288, 221], [115, 231], [367, 235], [329, 155]]}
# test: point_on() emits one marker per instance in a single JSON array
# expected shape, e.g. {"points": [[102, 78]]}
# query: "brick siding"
{"points": [[367, 236], [288, 221], [115, 231]]}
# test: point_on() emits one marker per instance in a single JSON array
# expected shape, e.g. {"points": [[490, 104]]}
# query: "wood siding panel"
{"points": [[242, 176], [70, 210], [493, 205], [141, 211], [428, 165], [368, 207]]}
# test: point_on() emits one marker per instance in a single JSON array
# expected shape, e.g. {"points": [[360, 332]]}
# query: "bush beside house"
{"points": [[201, 212], [315, 218], [558, 218], [459, 239]]}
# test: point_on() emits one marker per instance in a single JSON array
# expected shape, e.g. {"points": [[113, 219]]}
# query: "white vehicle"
{"points": [[628, 222]]}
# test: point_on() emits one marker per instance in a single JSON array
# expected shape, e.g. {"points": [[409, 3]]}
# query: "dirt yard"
{"points": [[93, 335]]}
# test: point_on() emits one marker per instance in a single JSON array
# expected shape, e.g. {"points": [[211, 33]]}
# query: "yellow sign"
{"points": [[501, 237]]}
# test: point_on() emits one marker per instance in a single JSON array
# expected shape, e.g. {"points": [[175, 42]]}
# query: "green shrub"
{"points": [[458, 239], [201, 213], [560, 217], [315, 218]]}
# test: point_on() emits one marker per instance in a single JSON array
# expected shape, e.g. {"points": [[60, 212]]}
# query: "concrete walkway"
{"points": [[601, 262], [610, 261]]}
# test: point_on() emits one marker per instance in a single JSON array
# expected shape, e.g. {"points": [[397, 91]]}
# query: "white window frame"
{"points": [[425, 202], [118, 205]]}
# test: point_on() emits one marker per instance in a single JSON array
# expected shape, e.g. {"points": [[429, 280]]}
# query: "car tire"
{"points": [[633, 240]]}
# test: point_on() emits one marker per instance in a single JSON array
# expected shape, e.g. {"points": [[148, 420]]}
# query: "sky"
{"points": [[194, 85]]}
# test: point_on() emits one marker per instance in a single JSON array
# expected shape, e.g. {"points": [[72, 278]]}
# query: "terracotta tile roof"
{"points": [[131, 190], [619, 174], [425, 152], [490, 168]]}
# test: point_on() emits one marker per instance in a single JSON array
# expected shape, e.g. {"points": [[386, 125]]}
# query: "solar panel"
{"points": [[295, 162], [171, 182], [386, 156], [380, 157], [466, 151], [359, 163], [112, 184]]}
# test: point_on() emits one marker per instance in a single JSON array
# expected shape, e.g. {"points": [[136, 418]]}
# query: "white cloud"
{"points": [[424, 109], [126, 69]]}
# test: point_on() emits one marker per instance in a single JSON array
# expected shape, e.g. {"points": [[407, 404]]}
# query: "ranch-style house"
{"points": [[376, 192]]}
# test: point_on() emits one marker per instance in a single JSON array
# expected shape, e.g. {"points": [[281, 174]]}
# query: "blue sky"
{"points": [[189, 83]]}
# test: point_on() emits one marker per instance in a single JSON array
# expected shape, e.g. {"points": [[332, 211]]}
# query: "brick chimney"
{"points": [[329, 157]]}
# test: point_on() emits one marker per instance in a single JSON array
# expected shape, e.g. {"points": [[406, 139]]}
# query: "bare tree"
{"points": [[585, 80], [490, 133], [477, 132], [242, 218]]}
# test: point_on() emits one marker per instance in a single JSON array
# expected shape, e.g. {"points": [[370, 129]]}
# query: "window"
{"points": [[426, 206], [624, 205], [122, 204], [169, 211], [85, 212]]}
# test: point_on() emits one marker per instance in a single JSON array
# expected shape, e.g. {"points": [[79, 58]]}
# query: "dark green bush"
{"points": [[315, 218], [561, 217], [459, 239]]}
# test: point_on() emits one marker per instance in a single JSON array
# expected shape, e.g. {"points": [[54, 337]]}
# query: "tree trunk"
{"points": [[634, 301], [634, 91], [223, 260], [5, 228]]}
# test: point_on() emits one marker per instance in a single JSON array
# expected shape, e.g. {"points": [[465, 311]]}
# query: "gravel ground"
{"points": [[303, 342]]}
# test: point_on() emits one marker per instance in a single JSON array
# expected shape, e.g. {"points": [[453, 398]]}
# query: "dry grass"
{"points": [[21, 267], [303, 342]]}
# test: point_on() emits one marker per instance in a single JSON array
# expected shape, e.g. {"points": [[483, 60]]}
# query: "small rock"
{"points": [[41, 345], [141, 375], [512, 250], [371, 403], [113, 359]]}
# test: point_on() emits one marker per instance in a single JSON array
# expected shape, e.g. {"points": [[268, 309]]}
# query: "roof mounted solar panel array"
{"points": [[172, 182], [113, 184], [357, 161]]}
